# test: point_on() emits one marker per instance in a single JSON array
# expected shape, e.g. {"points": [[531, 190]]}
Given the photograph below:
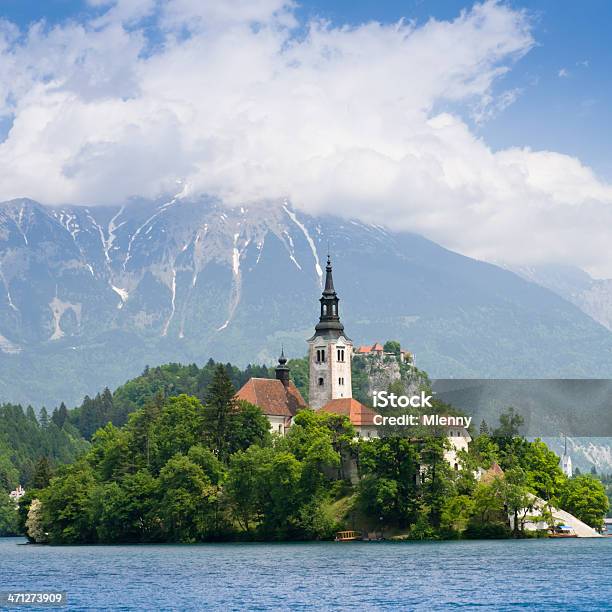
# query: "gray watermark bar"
{"points": [[547, 407]]}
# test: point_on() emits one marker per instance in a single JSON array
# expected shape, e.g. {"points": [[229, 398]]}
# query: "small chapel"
{"points": [[330, 353]]}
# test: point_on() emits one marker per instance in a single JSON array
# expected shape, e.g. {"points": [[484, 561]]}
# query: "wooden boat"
{"points": [[348, 536]]}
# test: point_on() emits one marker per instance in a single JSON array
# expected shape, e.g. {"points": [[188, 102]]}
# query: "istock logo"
{"points": [[384, 399]]}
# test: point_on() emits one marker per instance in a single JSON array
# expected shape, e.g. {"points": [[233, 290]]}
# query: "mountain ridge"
{"points": [[93, 294]]}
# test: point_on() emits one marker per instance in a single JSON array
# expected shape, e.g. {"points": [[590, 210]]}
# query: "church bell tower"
{"points": [[330, 351]]}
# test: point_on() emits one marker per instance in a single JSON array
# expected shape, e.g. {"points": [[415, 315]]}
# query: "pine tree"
{"points": [[44, 418], [63, 415], [484, 428], [42, 473], [60, 415], [219, 410]]}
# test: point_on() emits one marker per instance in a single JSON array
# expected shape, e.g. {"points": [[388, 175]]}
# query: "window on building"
{"points": [[340, 380], [280, 428], [340, 354], [456, 466], [320, 355], [320, 382]]}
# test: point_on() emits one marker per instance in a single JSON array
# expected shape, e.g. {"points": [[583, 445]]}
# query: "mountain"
{"points": [[585, 452], [593, 296], [90, 295]]}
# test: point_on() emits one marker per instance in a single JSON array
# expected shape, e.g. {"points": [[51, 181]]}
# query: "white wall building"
{"points": [[330, 351]]}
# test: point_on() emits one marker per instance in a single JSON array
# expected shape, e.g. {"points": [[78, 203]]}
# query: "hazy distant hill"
{"points": [[89, 296], [593, 296]]}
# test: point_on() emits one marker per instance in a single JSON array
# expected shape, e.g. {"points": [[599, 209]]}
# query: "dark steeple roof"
{"points": [[329, 279], [282, 369], [329, 321]]}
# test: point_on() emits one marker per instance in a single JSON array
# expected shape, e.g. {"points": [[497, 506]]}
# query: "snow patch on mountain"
{"points": [[310, 241], [122, 293]]}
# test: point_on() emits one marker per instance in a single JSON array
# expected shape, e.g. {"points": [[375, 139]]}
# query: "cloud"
{"points": [[563, 73], [240, 100]]}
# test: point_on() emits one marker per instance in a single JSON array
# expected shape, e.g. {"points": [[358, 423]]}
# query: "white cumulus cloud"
{"points": [[240, 100]]}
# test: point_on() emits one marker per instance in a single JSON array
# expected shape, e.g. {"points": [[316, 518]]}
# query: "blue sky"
{"points": [[565, 103], [480, 126]]}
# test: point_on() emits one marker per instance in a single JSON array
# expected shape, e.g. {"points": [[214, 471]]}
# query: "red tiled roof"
{"points": [[272, 397], [357, 413], [364, 349], [378, 347]]}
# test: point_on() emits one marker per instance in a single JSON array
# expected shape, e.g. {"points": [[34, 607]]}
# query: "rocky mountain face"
{"points": [[90, 295], [585, 452], [592, 296], [377, 372]]}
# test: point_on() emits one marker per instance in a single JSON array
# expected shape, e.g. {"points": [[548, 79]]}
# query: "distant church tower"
{"points": [[566, 462], [330, 351]]}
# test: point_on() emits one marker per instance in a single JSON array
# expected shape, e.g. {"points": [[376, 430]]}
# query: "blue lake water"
{"points": [[502, 575]]}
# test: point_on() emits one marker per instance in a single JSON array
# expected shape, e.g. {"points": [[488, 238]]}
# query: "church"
{"points": [[330, 353]]}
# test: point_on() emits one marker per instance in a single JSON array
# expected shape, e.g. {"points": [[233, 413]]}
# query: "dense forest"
{"points": [[170, 456]]}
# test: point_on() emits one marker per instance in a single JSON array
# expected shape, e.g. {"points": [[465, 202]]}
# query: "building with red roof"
{"points": [[360, 416], [278, 398]]}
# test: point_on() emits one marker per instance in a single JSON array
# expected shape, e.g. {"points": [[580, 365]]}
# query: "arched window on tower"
{"points": [[320, 382]]}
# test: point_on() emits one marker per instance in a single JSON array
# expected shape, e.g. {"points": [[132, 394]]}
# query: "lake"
{"points": [[501, 575]]}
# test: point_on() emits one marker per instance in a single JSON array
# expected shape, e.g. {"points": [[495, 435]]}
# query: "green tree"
{"points": [[456, 513], [243, 485], [126, 510], [67, 506], [42, 473], [109, 452], [510, 423], [60, 415], [392, 346], [585, 497], [43, 418], [187, 501], [393, 462], [311, 440], [518, 498], [265, 489], [9, 520], [436, 482], [9, 475], [179, 427], [246, 426], [541, 466], [219, 411], [489, 517]]}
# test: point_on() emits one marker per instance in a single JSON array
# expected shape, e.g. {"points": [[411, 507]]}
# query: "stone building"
{"points": [[330, 351], [330, 354], [278, 398]]}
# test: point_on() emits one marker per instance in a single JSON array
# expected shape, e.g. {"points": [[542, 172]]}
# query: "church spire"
{"points": [[282, 369], [329, 279], [329, 320]]}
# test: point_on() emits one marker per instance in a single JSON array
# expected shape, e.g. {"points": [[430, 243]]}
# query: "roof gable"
{"points": [[271, 396], [358, 413]]}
